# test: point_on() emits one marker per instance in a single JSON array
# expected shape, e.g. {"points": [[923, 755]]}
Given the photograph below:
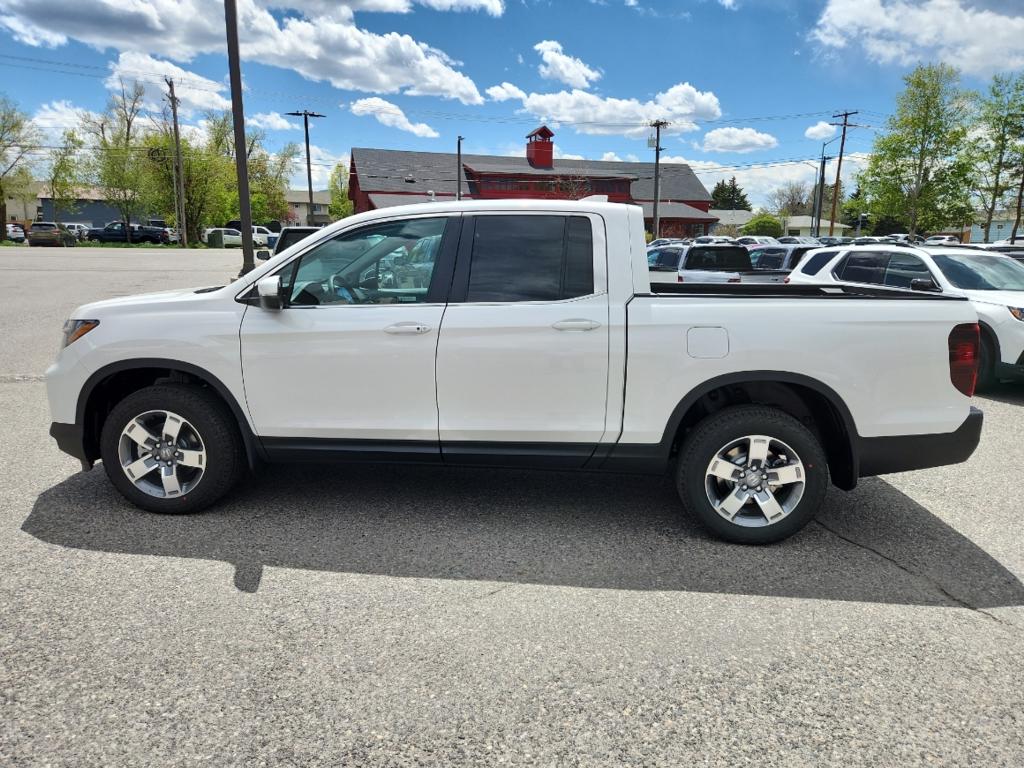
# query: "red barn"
{"points": [[380, 178]]}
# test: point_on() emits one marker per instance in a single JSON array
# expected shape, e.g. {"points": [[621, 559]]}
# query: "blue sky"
{"points": [[742, 82]]}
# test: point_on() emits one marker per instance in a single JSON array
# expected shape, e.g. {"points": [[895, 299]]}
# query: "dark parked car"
{"points": [[51, 233], [114, 232]]}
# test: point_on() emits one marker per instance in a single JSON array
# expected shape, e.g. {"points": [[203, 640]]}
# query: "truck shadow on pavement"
{"points": [[581, 530]]}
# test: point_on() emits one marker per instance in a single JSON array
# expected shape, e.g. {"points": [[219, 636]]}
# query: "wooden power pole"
{"points": [[179, 173], [238, 120], [839, 167], [305, 115]]}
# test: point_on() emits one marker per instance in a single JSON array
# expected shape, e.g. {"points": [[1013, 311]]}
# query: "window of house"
{"points": [[531, 258]]}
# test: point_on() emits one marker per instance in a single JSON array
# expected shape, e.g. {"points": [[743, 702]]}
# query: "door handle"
{"points": [[576, 324], [409, 327]]}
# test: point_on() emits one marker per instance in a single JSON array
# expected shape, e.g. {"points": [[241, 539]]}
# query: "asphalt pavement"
{"points": [[393, 616]]}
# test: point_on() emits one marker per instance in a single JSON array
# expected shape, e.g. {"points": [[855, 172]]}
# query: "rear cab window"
{"points": [[718, 259]]}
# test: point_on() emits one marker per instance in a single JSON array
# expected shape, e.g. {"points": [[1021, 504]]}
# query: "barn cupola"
{"points": [[540, 150]]}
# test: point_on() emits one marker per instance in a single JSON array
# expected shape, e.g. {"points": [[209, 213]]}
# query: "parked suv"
{"points": [[50, 233], [992, 282]]}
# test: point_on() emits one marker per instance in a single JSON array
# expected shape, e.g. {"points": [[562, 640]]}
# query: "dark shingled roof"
{"points": [[385, 170]]}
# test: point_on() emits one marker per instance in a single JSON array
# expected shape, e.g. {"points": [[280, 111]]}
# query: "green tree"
{"points": [[919, 170], [996, 147], [18, 135], [340, 205], [118, 161], [763, 223], [729, 196], [64, 174]]}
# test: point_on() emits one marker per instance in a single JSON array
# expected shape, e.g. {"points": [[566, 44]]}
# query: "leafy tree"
{"points": [[17, 136], [729, 196], [763, 223], [64, 174], [340, 205], [118, 163], [996, 147], [919, 170]]}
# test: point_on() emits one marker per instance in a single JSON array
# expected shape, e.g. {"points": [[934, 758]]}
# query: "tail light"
{"points": [[733, 280], [785, 280], [964, 349], [679, 278]]}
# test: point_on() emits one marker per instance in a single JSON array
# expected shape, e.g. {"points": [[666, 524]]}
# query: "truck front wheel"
{"points": [[752, 474], [172, 448]]}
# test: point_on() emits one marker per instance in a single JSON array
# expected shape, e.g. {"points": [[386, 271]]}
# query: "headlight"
{"points": [[76, 329], [1017, 312]]}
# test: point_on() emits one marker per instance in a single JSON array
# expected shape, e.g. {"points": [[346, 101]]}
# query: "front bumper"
{"points": [[883, 455], [71, 439]]}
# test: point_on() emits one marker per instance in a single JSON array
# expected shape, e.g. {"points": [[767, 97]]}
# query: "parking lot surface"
{"points": [[410, 616]]}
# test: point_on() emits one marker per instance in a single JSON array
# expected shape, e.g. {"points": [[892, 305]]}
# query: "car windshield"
{"points": [[980, 272], [719, 259]]}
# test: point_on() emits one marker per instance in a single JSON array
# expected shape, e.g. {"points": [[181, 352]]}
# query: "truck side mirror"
{"points": [[270, 293], [924, 284], [263, 255]]}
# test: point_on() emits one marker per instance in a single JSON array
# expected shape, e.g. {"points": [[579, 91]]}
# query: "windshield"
{"points": [[980, 272]]}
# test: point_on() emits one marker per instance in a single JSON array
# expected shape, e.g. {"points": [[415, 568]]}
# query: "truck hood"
{"points": [[141, 301], [1002, 298]]}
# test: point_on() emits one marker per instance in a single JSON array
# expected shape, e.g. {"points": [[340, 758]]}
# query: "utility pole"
{"points": [[305, 115], [458, 168], [839, 166], [238, 118], [179, 175], [819, 198], [657, 125]]}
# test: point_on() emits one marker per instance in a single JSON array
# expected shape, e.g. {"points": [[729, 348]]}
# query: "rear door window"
{"points": [[903, 268], [531, 258], [863, 268]]}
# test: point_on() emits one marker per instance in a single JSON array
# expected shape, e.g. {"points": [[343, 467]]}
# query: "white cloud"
{"points": [[55, 117], [977, 40], [392, 116], [504, 92], [271, 121], [588, 113], [729, 4], [611, 156], [194, 92], [560, 66], [738, 140], [322, 43], [820, 130], [321, 163]]}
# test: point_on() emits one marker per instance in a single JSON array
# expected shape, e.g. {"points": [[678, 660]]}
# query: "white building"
{"points": [[803, 226], [298, 206]]}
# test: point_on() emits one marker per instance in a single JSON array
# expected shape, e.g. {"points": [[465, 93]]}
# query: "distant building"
{"points": [[381, 178], [298, 206], [730, 222], [1002, 226], [803, 226]]}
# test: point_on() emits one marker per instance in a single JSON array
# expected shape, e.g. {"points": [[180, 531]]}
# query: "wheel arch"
{"points": [[113, 382], [814, 403]]}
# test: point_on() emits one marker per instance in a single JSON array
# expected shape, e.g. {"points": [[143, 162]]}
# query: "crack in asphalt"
{"points": [[945, 592]]}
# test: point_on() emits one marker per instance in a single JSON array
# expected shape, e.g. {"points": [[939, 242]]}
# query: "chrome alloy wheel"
{"points": [[162, 454], [755, 481]]}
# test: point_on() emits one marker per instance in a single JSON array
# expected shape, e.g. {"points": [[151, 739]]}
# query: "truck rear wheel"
{"points": [[172, 448], [752, 474]]}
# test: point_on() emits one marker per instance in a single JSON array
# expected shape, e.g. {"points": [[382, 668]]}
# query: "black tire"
{"points": [[717, 431], [225, 453], [986, 365]]}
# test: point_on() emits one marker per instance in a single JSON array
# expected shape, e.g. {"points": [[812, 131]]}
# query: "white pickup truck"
{"points": [[517, 333]]}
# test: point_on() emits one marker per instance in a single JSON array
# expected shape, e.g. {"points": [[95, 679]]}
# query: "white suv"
{"points": [[992, 282]]}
